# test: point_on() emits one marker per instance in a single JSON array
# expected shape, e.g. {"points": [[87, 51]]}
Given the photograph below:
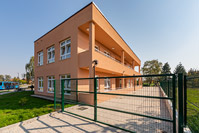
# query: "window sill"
{"points": [[50, 92]]}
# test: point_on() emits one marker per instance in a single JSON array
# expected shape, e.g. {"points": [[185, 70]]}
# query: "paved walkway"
{"points": [[57, 123]]}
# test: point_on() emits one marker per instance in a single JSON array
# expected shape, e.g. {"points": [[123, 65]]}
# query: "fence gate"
{"points": [[144, 103]]}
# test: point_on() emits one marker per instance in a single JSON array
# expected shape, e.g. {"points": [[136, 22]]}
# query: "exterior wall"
{"points": [[79, 65]]}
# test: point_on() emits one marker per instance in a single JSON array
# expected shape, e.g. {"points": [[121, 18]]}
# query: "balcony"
{"points": [[119, 67], [97, 50]]}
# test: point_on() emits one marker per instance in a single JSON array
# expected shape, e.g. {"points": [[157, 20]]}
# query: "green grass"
{"points": [[19, 106], [192, 110]]}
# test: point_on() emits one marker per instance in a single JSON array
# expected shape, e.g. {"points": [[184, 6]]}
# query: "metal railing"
{"points": [[192, 103]]}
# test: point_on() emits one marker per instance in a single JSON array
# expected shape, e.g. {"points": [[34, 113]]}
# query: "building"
{"points": [[67, 51]]}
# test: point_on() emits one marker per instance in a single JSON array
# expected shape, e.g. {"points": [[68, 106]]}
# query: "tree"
{"points": [[193, 82], [30, 70], [166, 69], [151, 67], [7, 77], [179, 69], [2, 78]]}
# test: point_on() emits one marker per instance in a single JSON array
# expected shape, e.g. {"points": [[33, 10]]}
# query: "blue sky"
{"points": [[167, 30]]}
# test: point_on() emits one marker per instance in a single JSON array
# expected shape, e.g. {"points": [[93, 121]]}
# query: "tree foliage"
{"points": [[193, 82], [30, 70], [179, 69], [151, 67], [166, 69], [7, 77], [2, 78]]}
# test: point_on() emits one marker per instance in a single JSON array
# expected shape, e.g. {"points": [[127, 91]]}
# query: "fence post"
{"points": [[62, 95], [168, 89], [54, 94], [185, 100], [95, 99], [76, 90], [180, 103], [174, 103]]}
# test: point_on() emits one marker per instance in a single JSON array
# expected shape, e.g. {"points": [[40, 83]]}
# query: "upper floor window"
{"points": [[51, 84], [96, 48], [107, 53], [67, 83], [65, 49], [40, 58], [40, 84], [51, 54]]}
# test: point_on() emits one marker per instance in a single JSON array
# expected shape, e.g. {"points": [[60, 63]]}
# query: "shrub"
{"points": [[23, 101]]}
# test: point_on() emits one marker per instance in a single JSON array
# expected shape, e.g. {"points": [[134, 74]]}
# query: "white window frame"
{"points": [[66, 44], [51, 51], [50, 84], [96, 48], [107, 83], [40, 86], [107, 53], [67, 84], [40, 58]]}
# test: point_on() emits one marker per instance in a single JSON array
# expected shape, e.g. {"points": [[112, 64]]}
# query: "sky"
{"points": [[167, 30]]}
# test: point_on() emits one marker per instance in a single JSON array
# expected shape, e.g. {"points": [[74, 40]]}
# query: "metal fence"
{"points": [[192, 103], [130, 103]]}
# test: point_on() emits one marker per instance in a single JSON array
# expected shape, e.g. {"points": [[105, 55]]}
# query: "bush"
{"points": [[23, 101]]}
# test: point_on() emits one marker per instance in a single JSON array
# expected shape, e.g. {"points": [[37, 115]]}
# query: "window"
{"points": [[0, 83], [65, 49], [40, 58], [107, 53], [67, 84], [107, 83], [129, 83], [40, 84], [51, 84], [96, 48], [51, 54]]}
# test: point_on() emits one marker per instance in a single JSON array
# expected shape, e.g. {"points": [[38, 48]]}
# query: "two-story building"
{"points": [[68, 50]]}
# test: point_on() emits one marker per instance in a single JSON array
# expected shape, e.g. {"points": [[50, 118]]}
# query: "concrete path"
{"points": [[58, 123]]}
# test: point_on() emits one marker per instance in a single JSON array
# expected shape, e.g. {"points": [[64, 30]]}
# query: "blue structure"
{"points": [[8, 85]]}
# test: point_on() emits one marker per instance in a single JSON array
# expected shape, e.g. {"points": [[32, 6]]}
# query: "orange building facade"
{"points": [[68, 50]]}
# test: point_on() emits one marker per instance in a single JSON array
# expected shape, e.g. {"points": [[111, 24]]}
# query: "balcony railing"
{"points": [[97, 50]]}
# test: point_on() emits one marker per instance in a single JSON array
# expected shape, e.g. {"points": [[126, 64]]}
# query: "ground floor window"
{"points": [[129, 83], [40, 84], [51, 80], [107, 83], [67, 84]]}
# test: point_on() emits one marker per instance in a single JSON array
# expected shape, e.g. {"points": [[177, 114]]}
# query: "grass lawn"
{"points": [[20, 106], [192, 110]]}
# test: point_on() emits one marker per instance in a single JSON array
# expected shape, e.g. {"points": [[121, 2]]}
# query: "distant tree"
{"points": [[166, 69], [2, 78], [30, 70], [179, 69], [7, 77], [23, 75], [194, 82], [151, 67]]}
